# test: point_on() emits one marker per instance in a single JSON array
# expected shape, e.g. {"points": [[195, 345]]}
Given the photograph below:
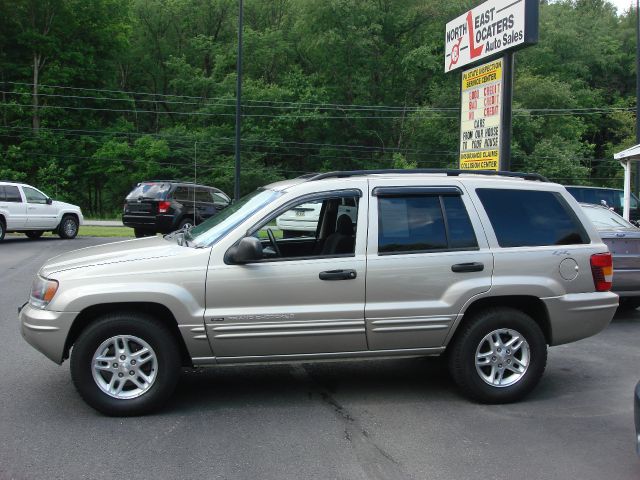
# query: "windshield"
{"points": [[216, 227], [603, 218], [149, 190]]}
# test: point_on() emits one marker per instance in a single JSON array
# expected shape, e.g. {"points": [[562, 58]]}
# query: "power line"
{"points": [[289, 104], [188, 141]]}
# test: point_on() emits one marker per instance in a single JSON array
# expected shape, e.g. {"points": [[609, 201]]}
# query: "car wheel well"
{"points": [[158, 311], [532, 306]]}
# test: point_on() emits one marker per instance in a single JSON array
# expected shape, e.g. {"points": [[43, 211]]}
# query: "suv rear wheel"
{"points": [[185, 223], [498, 356], [3, 229], [125, 364], [141, 232]]}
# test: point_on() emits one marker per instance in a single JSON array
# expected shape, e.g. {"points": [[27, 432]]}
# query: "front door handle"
{"points": [[467, 267], [338, 275]]}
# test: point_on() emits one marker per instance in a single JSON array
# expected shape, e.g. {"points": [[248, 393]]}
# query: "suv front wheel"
{"points": [[498, 356], [125, 364], [68, 227]]}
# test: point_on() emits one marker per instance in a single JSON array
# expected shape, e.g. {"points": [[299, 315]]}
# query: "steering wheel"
{"points": [[272, 239]]}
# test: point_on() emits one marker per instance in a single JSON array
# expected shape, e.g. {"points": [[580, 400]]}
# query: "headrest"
{"points": [[344, 227]]}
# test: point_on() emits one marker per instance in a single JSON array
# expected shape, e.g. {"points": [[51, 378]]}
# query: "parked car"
{"points": [[303, 220], [609, 197], [623, 240], [488, 268], [162, 206], [25, 209]]}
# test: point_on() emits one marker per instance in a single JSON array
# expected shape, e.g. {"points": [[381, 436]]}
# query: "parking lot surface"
{"points": [[376, 419]]}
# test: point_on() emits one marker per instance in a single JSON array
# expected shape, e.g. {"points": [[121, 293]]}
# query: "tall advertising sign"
{"points": [[488, 29], [483, 40], [481, 109]]}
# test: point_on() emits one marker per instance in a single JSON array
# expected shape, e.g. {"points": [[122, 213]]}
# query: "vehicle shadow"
{"points": [[11, 238], [282, 384]]}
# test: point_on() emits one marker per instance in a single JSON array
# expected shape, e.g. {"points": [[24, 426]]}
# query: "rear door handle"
{"points": [[338, 275], [467, 267]]}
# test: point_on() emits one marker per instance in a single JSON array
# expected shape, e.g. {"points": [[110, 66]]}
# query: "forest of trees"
{"points": [[96, 95]]}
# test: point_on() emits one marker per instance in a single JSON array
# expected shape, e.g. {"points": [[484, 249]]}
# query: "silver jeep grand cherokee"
{"points": [[489, 269]]}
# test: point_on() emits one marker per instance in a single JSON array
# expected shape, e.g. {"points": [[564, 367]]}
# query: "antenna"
{"points": [[195, 177]]}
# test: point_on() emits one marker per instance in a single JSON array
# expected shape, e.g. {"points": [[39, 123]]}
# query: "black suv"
{"points": [[162, 206]]}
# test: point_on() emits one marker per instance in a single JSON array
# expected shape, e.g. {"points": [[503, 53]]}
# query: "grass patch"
{"points": [[262, 233], [90, 231]]}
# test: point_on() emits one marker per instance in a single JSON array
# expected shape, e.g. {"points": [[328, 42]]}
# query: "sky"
{"points": [[623, 5]]}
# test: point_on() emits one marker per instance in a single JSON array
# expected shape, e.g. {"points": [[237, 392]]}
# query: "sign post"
{"points": [[478, 38]]}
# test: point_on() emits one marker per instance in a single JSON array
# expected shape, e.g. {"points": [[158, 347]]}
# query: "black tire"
{"points": [[629, 303], [163, 346], [3, 229], [467, 342], [140, 233], [34, 234], [185, 222], [68, 228]]}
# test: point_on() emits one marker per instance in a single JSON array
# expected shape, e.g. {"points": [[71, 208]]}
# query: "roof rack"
{"points": [[448, 172], [165, 181]]}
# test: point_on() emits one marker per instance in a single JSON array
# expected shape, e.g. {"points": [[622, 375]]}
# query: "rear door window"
{"points": [[423, 223], [183, 194], [527, 218]]}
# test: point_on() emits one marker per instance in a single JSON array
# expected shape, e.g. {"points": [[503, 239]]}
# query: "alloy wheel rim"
{"points": [[69, 227], [502, 357], [124, 367]]}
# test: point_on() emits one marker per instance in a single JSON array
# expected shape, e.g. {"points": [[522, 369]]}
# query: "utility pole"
{"points": [[236, 190], [637, 92]]}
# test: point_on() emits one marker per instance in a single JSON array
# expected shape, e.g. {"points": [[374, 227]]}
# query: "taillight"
{"points": [[602, 269], [163, 207]]}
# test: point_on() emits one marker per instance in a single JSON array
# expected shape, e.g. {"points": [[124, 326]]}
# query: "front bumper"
{"points": [[579, 315], [46, 331]]}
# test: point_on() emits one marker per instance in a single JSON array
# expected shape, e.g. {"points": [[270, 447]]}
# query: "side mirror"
{"points": [[49, 201], [248, 250]]}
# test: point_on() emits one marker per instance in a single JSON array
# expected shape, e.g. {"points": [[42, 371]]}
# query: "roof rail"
{"points": [[448, 172], [166, 181]]}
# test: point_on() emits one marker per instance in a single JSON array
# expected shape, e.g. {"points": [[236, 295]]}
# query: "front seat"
{"points": [[342, 240]]}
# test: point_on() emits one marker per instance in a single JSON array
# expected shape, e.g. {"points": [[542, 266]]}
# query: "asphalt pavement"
{"points": [[376, 419]]}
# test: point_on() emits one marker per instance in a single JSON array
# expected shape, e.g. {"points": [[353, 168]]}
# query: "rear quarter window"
{"points": [[530, 218]]}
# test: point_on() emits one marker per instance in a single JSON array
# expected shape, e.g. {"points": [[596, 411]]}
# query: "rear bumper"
{"points": [[626, 282], [46, 331], [156, 223], [579, 315]]}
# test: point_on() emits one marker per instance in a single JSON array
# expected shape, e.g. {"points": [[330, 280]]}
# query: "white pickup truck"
{"points": [[26, 209]]}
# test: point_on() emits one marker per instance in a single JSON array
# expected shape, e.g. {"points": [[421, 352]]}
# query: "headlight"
{"points": [[42, 291]]}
